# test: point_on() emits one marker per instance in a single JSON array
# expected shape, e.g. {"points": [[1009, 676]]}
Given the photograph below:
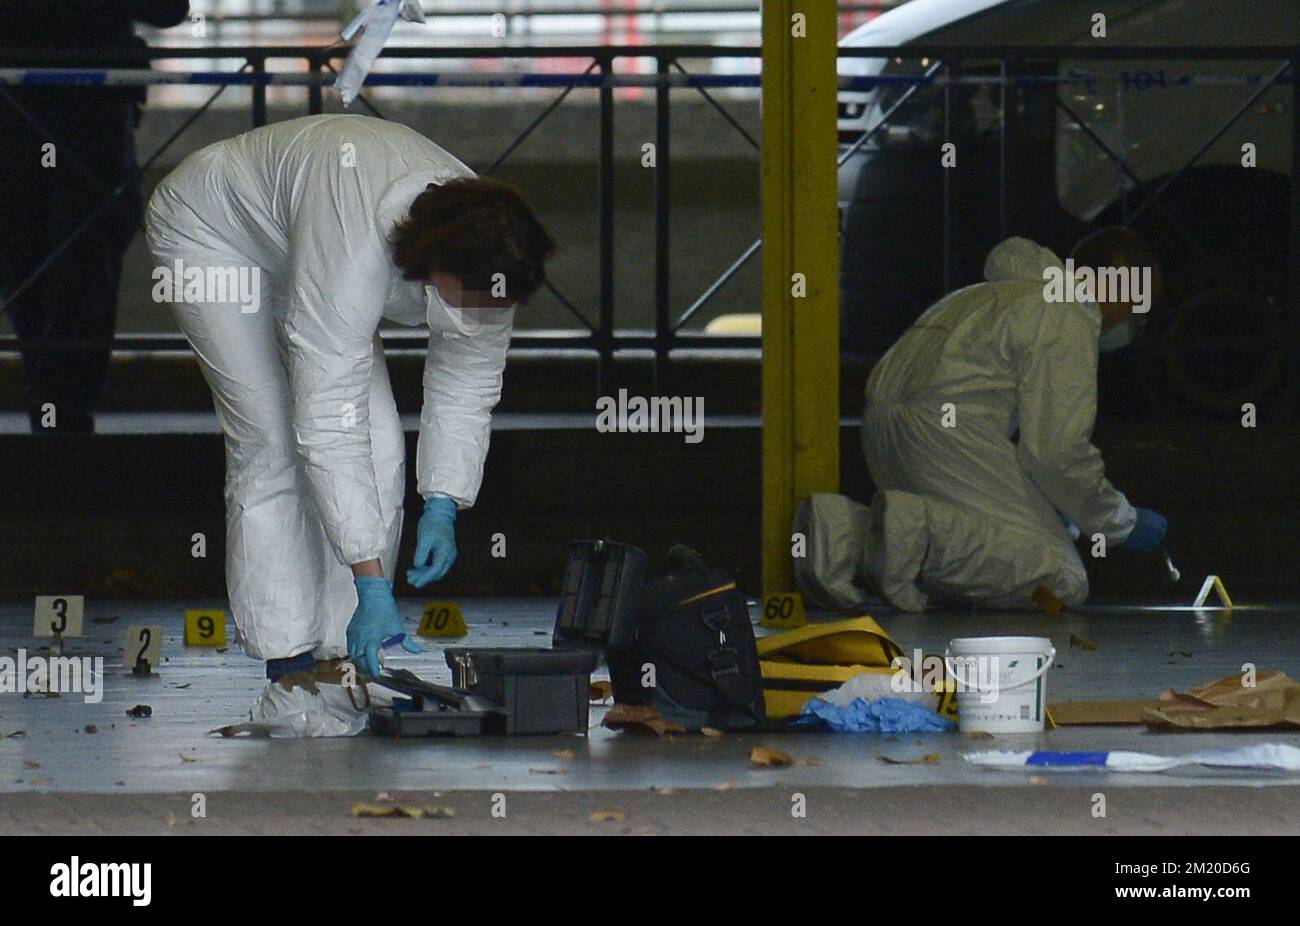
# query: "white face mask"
{"points": [[442, 316], [451, 320], [1119, 336]]}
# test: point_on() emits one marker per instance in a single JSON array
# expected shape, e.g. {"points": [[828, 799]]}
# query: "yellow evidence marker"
{"points": [[783, 611], [205, 628], [442, 619], [59, 615], [1212, 584]]}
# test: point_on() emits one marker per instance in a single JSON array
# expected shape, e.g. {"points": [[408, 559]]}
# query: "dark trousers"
{"points": [[41, 207]]}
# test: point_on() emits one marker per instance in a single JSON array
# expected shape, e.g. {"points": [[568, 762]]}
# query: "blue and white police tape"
{"points": [[1265, 756]]}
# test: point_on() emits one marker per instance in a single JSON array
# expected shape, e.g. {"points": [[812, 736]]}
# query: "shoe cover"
{"points": [[853, 551], [308, 704], [835, 531]]}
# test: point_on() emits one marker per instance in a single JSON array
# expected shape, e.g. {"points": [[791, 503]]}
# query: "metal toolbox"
{"points": [[536, 690]]}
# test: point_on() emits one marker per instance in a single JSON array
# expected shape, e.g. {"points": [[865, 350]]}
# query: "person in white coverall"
{"points": [[977, 434], [338, 223]]}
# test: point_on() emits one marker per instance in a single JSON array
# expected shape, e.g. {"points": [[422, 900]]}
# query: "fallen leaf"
{"points": [[930, 759], [727, 785], [30, 764], [403, 812], [1082, 642], [978, 735], [1047, 602], [563, 753], [185, 758], [39, 782], [547, 771], [91, 728], [140, 710], [1037, 780], [639, 718], [601, 690], [607, 816], [710, 732], [769, 758]]}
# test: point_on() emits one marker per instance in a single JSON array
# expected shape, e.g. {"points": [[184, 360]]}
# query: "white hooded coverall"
{"points": [[314, 447], [966, 510]]}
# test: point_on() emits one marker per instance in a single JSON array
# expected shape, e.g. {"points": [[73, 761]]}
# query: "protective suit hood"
{"points": [[1023, 260], [1019, 259]]}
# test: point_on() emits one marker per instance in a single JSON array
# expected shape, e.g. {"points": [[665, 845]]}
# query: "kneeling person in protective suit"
{"points": [[978, 437], [339, 223]]}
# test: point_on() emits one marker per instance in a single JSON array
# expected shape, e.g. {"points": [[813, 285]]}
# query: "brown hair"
{"points": [[474, 228]]}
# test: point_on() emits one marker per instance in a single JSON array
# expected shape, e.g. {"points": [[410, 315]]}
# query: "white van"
{"points": [[1218, 338]]}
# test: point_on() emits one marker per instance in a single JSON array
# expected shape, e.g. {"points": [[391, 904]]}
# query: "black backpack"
{"points": [[693, 655]]}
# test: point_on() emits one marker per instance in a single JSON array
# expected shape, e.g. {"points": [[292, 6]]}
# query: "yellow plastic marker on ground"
{"points": [[442, 619], [783, 611], [1212, 584], [205, 628]]}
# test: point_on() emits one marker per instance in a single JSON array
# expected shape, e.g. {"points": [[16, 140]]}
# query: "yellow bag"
{"points": [[818, 658]]}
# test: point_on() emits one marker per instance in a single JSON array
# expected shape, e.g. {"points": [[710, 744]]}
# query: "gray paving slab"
{"points": [[1139, 652], [929, 810]]}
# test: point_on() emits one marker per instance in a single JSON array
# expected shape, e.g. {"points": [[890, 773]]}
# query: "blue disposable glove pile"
{"points": [[374, 621], [883, 715], [435, 542], [1147, 533]]}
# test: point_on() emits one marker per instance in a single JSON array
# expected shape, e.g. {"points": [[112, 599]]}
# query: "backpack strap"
{"points": [[724, 662]]}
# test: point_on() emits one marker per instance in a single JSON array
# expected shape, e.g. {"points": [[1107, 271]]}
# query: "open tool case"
{"points": [[431, 710], [526, 690]]}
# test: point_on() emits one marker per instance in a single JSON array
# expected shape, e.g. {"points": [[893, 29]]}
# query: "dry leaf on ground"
{"points": [[639, 718], [930, 759], [769, 758]]}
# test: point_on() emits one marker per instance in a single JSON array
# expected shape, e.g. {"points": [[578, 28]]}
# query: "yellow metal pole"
{"points": [[800, 270]]}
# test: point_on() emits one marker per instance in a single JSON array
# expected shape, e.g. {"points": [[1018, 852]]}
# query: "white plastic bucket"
{"points": [[1001, 682]]}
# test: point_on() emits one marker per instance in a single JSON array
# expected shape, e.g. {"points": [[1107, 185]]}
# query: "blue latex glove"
{"points": [[435, 542], [373, 622], [1147, 533], [883, 715]]}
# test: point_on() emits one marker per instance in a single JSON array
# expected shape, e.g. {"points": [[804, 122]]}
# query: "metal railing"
{"points": [[670, 73], [599, 336]]}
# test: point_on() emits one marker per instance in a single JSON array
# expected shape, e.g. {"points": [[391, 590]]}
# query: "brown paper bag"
{"points": [[1226, 704]]}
